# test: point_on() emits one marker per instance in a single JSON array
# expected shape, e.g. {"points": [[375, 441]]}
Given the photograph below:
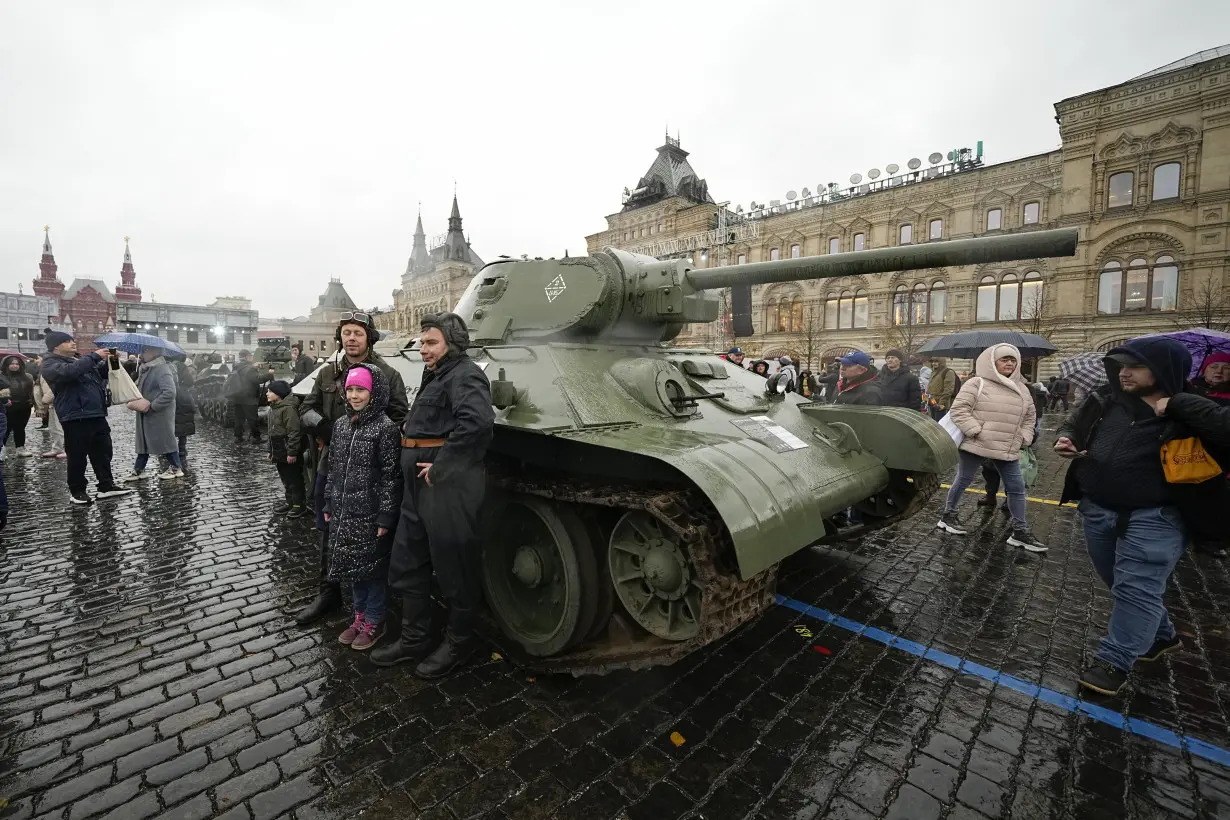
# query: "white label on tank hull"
{"points": [[556, 287], [770, 434]]}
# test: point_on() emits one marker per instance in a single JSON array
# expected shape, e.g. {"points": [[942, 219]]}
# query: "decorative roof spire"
{"points": [[47, 284], [127, 290], [455, 242], [420, 258]]}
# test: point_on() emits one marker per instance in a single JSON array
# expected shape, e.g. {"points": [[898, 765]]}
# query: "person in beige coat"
{"points": [[994, 410], [44, 407]]}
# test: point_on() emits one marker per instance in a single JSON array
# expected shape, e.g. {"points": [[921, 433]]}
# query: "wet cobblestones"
{"points": [[148, 669]]}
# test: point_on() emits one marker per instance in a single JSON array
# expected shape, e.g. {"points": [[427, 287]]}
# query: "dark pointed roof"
{"points": [[420, 259], [670, 175], [335, 297], [455, 244], [47, 240]]}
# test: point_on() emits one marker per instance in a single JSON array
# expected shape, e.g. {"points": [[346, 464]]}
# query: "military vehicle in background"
{"points": [[274, 352], [642, 495]]}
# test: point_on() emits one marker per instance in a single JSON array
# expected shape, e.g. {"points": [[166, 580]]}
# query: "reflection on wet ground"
{"points": [[148, 669]]}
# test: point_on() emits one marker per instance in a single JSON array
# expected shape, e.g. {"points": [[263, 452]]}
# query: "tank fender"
{"points": [[903, 439]]}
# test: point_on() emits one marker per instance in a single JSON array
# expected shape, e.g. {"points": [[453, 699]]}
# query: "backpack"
{"points": [[234, 387]]}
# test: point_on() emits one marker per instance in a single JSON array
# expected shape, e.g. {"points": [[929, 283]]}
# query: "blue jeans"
{"points": [[1009, 471], [143, 459], [1136, 566], [370, 598]]}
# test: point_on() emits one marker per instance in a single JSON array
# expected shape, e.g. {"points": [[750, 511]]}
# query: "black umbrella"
{"points": [[970, 343]]}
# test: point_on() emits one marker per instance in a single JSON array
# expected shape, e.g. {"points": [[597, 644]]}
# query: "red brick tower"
{"points": [[47, 283], [127, 290]]}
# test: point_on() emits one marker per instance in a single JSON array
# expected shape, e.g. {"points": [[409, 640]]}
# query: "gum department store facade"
{"points": [[1143, 172]]}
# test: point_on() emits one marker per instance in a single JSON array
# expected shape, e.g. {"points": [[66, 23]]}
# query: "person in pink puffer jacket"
{"points": [[995, 412]]}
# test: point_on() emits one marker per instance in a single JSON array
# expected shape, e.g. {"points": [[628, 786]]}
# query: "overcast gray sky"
{"points": [[257, 148]]}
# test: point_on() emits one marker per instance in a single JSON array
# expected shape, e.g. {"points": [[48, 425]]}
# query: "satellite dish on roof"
{"points": [[936, 158], [753, 206], [892, 168], [856, 178], [790, 195], [806, 193], [738, 209], [873, 173], [913, 164]]}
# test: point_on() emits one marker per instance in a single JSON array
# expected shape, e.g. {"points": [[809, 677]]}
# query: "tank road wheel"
{"points": [[652, 577], [540, 576]]}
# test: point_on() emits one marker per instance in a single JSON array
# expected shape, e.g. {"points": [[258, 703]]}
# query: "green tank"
{"points": [[643, 495], [274, 353]]}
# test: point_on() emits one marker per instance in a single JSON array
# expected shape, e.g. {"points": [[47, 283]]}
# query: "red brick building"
{"points": [[87, 305]]}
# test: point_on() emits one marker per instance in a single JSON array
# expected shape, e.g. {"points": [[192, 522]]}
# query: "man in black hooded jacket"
{"points": [[1136, 523]]}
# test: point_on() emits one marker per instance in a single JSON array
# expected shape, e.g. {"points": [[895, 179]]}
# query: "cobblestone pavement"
{"points": [[148, 669]]}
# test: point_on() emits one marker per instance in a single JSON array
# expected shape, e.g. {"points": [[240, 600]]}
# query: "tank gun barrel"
{"points": [[975, 251]]}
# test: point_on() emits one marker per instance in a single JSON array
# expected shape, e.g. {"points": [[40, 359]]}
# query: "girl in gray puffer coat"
{"points": [[362, 500]]}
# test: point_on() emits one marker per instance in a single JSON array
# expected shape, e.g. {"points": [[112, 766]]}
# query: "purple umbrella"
{"points": [[1201, 342]]}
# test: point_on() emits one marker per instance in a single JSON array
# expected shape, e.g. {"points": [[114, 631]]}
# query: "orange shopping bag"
{"points": [[1185, 461]]}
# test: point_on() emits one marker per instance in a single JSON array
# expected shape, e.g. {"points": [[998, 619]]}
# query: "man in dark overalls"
{"points": [[444, 442]]}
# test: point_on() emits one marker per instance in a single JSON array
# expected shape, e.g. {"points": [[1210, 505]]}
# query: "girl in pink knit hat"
{"points": [[362, 500]]}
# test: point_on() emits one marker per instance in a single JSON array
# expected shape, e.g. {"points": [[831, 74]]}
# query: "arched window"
{"points": [[835, 245], [939, 303], [860, 308], [1009, 297], [860, 242], [845, 309], [775, 254], [995, 218], [1138, 287], [770, 315], [830, 311], [783, 316], [905, 234], [1031, 213], [919, 306], [1119, 189], [795, 251], [901, 308], [1166, 181], [986, 300], [935, 229], [1031, 296], [742, 259], [796, 314]]}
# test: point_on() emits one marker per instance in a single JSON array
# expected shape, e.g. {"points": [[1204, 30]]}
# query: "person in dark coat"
{"points": [[80, 387], [355, 335], [21, 401], [301, 366], [898, 386], [858, 383], [185, 407], [4, 496], [445, 441], [1059, 393], [155, 434], [286, 445], [1137, 521], [362, 496], [243, 393]]}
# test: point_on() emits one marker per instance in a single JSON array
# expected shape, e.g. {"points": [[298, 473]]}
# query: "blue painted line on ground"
{"points": [[1136, 726]]}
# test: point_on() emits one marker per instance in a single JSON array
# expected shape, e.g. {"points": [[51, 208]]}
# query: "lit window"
{"points": [[859, 242], [742, 259], [918, 305], [796, 314], [1166, 181], [1031, 213], [1009, 297], [834, 245], [771, 316], [901, 311], [935, 229], [1119, 190], [995, 217], [905, 234], [986, 300], [774, 254], [939, 303], [795, 251]]}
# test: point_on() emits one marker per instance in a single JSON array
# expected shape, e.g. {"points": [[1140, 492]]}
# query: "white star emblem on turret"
{"points": [[556, 287]]}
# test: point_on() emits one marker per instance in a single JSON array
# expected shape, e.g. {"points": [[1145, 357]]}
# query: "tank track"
{"points": [[727, 601]]}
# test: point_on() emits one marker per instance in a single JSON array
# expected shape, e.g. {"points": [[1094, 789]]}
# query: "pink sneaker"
{"points": [[61, 456], [353, 631], [368, 637], [50, 454]]}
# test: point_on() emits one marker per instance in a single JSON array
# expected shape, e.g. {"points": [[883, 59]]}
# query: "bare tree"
{"points": [[809, 335], [1037, 314], [1208, 306], [905, 333]]}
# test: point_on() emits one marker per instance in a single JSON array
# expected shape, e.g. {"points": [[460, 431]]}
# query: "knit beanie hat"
{"points": [[56, 338], [359, 377], [280, 388], [895, 352]]}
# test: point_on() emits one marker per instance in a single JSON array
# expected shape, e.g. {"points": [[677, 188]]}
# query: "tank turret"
{"points": [[619, 296], [642, 495]]}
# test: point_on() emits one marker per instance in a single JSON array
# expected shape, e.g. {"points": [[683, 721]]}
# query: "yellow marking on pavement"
{"points": [[981, 491]]}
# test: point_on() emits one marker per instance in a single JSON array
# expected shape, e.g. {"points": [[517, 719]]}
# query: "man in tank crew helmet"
{"points": [[444, 442], [356, 333]]}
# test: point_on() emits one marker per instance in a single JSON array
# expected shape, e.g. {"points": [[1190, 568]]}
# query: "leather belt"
{"points": [[422, 442]]}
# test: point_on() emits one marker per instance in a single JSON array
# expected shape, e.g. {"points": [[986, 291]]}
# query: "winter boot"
{"points": [[414, 644], [329, 598], [459, 643]]}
